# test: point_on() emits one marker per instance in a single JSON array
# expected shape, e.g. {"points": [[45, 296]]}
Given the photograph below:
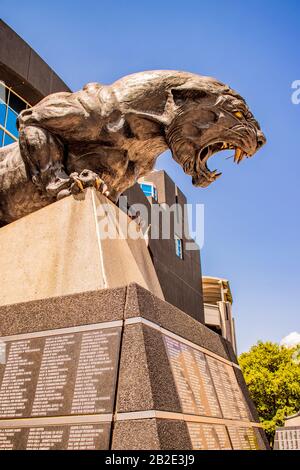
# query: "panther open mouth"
{"points": [[204, 175]]}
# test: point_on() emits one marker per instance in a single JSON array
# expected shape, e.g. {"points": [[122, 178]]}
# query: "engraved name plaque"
{"points": [[64, 437], [209, 436], [59, 373], [66, 373], [287, 438], [208, 388]]}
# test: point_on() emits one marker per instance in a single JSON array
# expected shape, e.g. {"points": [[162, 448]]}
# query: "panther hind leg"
{"points": [[44, 154]]}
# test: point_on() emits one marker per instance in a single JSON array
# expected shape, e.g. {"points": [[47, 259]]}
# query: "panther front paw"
{"points": [[79, 182], [56, 185], [87, 179]]}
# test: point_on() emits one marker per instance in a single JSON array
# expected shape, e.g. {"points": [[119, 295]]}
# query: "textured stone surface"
{"points": [[173, 435], [151, 434], [142, 303], [146, 381], [62, 312], [145, 378], [164, 393], [134, 387], [138, 434]]}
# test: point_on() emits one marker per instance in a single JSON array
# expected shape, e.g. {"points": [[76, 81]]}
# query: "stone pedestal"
{"points": [[73, 246], [119, 369], [90, 359]]}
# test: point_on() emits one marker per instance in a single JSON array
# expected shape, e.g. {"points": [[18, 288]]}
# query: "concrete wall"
{"points": [[180, 279]]}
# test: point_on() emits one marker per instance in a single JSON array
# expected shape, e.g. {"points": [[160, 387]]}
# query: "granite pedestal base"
{"points": [[119, 369], [73, 246]]}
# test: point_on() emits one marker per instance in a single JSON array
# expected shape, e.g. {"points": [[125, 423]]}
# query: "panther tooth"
{"points": [[241, 157], [215, 175], [237, 155]]}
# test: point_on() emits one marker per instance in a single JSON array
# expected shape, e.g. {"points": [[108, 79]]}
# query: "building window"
{"points": [[11, 122], [179, 247], [3, 109], [11, 104], [149, 190]]}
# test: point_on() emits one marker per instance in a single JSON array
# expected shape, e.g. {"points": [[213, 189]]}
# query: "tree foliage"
{"points": [[272, 374]]}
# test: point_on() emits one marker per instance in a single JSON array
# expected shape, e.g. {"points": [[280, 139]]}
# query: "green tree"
{"points": [[272, 374]]}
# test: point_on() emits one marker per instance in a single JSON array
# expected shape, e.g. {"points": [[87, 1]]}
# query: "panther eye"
{"points": [[238, 114]]}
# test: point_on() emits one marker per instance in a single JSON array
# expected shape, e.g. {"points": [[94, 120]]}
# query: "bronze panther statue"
{"points": [[109, 136]]}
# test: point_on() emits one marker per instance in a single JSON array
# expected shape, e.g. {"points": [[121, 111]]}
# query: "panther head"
{"points": [[208, 117]]}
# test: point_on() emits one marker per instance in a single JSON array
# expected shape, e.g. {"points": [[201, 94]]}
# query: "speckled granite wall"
{"points": [[164, 390]]}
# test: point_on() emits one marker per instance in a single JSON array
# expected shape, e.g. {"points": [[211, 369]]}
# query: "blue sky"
{"points": [[252, 212]]}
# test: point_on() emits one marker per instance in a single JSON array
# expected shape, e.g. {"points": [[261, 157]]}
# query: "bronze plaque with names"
{"points": [[193, 379], [206, 386], [287, 438], [209, 436], [60, 373], [230, 397], [244, 438], [57, 437]]}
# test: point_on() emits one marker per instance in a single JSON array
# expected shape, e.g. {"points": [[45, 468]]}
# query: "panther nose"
{"points": [[261, 139]]}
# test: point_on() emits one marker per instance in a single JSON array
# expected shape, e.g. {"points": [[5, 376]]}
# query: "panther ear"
{"points": [[92, 86], [184, 94]]}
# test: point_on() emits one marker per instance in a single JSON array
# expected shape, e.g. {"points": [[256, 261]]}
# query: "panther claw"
{"points": [[79, 182], [98, 183], [101, 186], [76, 187]]}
